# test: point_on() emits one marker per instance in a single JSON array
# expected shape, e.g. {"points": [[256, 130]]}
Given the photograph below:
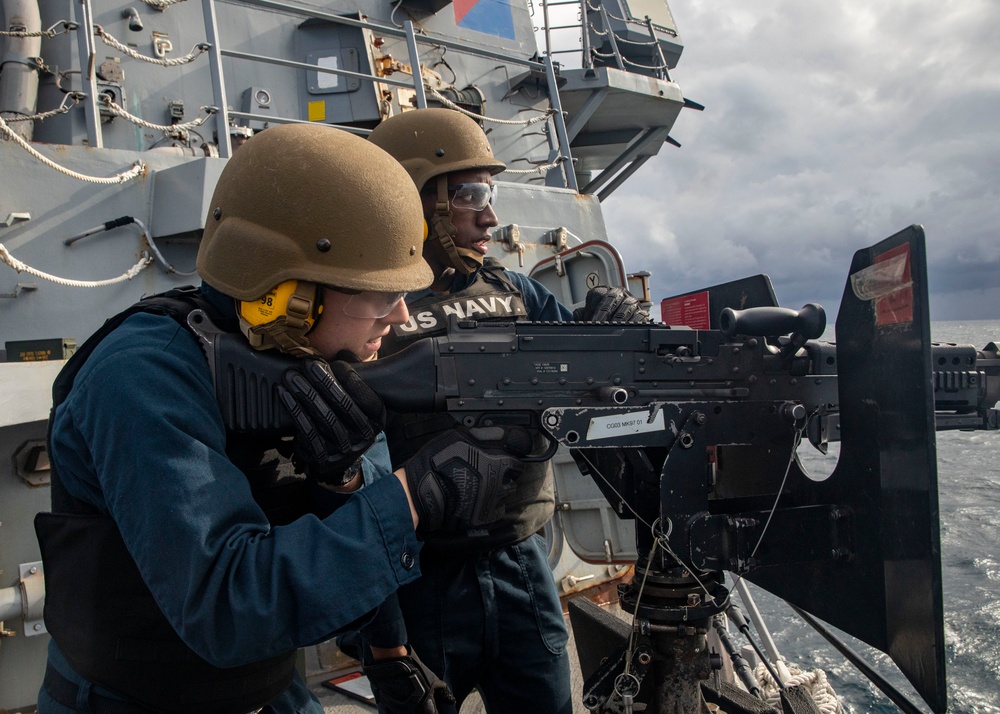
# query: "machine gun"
{"points": [[710, 421]]}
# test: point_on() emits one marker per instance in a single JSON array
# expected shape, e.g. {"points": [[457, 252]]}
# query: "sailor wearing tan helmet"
{"points": [[485, 614], [184, 562]]}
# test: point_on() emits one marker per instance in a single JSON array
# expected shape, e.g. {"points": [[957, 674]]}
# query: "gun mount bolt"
{"points": [[753, 379], [711, 360], [513, 348], [461, 402], [700, 418], [500, 402], [562, 380], [753, 342], [534, 381], [482, 348], [590, 702], [451, 348], [579, 402], [736, 370], [506, 381], [818, 381], [642, 360], [690, 370], [772, 381], [736, 350], [642, 370], [616, 381], [590, 380], [694, 599], [644, 658], [793, 381], [472, 383]]}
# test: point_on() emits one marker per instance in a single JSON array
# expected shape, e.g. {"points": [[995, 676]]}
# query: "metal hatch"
{"points": [[573, 272]]}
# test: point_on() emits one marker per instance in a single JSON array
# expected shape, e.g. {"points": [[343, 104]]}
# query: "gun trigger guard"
{"points": [[549, 452]]}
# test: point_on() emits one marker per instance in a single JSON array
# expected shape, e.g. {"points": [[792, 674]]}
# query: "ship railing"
{"points": [[583, 46], [413, 41]]}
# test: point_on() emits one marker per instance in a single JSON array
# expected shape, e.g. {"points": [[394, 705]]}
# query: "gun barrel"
{"points": [[966, 386]]}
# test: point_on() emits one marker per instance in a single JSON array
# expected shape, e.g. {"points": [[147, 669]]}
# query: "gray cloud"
{"points": [[828, 126]]}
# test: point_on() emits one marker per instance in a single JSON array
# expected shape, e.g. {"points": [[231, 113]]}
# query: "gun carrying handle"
{"points": [[809, 322]]}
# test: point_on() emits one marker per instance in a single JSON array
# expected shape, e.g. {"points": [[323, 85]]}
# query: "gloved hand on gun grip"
{"points": [[337, 417], [607, 304], [405, 685], [459, 479]]}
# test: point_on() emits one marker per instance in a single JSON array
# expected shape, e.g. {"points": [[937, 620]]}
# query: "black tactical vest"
{"points": [[99, 610], [490, 297]]}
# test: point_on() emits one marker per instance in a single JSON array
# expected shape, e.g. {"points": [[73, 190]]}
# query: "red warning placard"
{"points": [[897, 305], [687, 311]]}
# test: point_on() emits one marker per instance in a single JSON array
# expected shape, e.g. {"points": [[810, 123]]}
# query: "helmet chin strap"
{"points": [[440, 245]]}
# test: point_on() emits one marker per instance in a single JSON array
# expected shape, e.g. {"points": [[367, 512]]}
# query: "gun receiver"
{"points": [[538, 373]]}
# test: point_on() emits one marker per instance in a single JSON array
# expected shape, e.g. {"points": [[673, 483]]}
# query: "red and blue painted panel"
{"points": [[490, 16]]}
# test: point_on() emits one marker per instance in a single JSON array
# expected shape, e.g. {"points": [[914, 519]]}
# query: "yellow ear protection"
{"points": [[281, 317], [280, 301], [427, 231]]}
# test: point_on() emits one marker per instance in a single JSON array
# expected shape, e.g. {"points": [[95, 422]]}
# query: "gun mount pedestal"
{"points": [[673, 613]]}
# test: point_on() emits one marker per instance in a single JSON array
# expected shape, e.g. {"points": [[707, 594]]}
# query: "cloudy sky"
{"points": [[829, 125]]}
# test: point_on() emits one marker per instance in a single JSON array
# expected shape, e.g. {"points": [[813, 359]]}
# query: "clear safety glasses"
{"points": [[369, 304], [473, 196]]}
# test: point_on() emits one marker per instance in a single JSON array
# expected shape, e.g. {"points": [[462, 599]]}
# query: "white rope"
{"points": [[643, 66], [814, 682], [42, 116], [537, 169], [519, 122], [137, 169], [161, 5], [622, 40], [119, 111], [19, 33], [109, 40], [20, 267], [51, 32]]}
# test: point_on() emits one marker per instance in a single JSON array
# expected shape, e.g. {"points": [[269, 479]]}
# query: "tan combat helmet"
{"points": [[304, 205], [430, 144]]}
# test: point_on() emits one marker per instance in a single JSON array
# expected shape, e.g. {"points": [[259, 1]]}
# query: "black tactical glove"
{"points": [[458, 480], [337, 417], [404, 685], [605, 304]]}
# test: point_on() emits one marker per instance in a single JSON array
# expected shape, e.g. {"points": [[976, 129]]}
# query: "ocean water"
{"points": [[969, 499]]}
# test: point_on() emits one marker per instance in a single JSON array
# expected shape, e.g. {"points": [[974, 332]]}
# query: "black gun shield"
{"points": [[889, 593]]}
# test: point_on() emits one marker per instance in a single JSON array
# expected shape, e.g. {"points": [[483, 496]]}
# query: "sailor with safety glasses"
{"points": [[485, 614]]}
